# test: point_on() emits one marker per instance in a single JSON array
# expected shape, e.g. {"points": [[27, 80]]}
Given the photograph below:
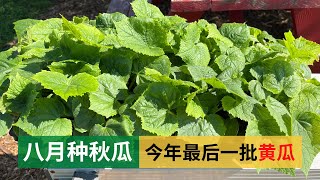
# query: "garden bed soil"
{"points": [[276, 22], [9, 163]]}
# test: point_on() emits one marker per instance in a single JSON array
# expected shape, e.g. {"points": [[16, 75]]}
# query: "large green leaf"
{"points": [[162, 64], [73, 67], [292, 85], [117, 62], [22, 26], [277, 75], [5, 123], [84, 118], [280, 113], [212, 125], [257, 90], [84, 32], [239, 34], [111, 84], [7, 66], [130, 114], [142, 8], [194, 107], [158, 77], [103, 101], [76, 49], [105, 21], [43, 29], [65, 87], [233, 86], [20, 95], [46, 119], [192, 51], [306, 101], [264, 124], [200, 72], [301, 50], [214, 33], [56, 127], [114, 127], [256, 53], [307, 125], [242, 109], [103, 104], [154, 106], [232, 61], [144, 36]]}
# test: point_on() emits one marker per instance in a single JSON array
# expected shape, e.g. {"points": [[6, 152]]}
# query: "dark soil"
{"points": [[275, 22], [70, 8], [9, 163]]}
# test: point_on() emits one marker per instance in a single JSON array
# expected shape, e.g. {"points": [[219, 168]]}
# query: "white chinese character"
{"points": [[94, 151], [71, 151], [121, 156], [29, 152], [104, 150], [81, 150], [55, 149]]}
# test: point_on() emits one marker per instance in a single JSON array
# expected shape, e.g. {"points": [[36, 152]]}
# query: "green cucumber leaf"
{"points": [[5, 123], [73, 67], [307, 125], [65, 87], [22, 26], [154, 106], [161, 64], [105, 21], [143, 9], [264, 124], [194, 107], [45, 119], [84, 118], [239, 34], [83, 32], [200, 72], [114, 127], [232, 61], [280, 113], [301, 50], [20, 95], [257, 90], [103, 101], [144, 36], [191, 50], [242, 109], [43, 29], [308, 100], [212, 125]]}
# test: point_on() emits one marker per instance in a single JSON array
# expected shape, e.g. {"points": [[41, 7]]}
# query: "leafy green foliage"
{"points": [[192, 51], [158, 75], [142, 35], [63, 86], [5, 123]]}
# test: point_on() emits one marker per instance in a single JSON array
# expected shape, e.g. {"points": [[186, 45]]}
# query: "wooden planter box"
{"points": [[177, 174], [183, 174]]}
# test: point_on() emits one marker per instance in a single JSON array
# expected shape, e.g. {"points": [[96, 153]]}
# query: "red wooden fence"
{"points": [[227, 5]]}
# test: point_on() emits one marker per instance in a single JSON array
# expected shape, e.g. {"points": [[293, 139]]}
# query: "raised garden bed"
{"points": [[129, 68]]}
